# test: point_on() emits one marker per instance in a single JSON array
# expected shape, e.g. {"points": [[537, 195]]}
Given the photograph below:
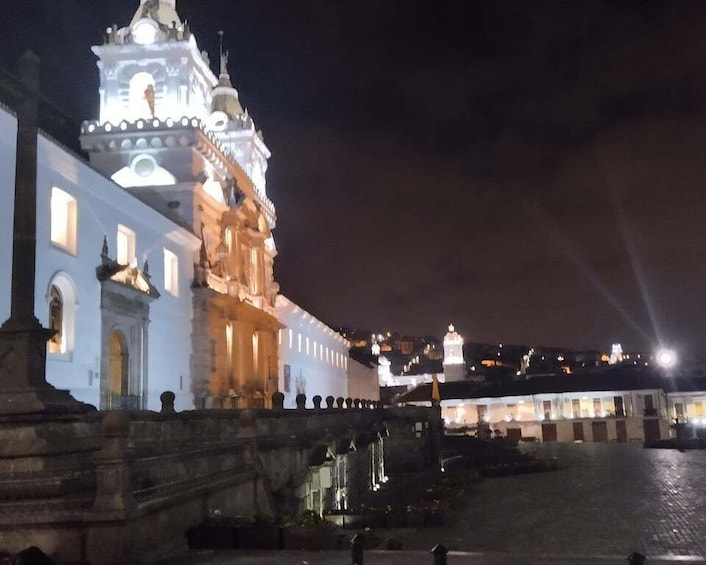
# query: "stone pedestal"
{"points": [[23, 385]]}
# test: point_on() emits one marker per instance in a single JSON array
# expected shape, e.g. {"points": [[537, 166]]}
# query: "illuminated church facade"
{"points": [[155, 259]]}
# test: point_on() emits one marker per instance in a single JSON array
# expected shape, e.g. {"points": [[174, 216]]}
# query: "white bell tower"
{"points": [[167, 123], [454, 366]]}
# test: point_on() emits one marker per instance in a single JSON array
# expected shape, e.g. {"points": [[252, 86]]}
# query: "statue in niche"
{"points": [[149, 98]]}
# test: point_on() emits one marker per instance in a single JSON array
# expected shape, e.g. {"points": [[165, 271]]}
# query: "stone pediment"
{"points": [[127, 276]]}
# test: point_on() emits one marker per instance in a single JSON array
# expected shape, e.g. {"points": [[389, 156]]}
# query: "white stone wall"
{"points": [[362, 381], [8, 149], [101, 206], [324, 371]]}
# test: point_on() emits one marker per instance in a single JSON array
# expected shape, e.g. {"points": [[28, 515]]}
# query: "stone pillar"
{"points": [[113, 489], [23, 341]]}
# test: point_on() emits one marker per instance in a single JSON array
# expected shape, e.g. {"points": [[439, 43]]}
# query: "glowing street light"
{"points": [[666, 358]]}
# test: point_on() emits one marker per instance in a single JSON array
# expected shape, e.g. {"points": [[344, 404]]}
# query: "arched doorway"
{"points": [[118, 368]]}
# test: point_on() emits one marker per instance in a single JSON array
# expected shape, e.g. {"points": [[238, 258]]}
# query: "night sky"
{"points": [[532, 171]]}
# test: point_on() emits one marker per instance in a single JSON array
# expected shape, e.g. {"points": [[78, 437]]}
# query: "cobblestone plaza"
{"points": [[608, 499]]}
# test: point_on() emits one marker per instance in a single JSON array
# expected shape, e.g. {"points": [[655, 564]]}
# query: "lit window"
{"points": [[229, 240], [126, 246], [290, 338], [307, 346], [171, 272], [279, 338], [255, 351], [63, 220], [299, 339], [254, 272]]}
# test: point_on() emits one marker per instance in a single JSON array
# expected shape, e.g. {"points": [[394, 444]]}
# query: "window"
{"points": [[290, 337], [171, 272], [229, 352], [576, 407], [126, 246], [228, 237], [255, 351], [287, 378], [61, 306], [63, 220], [254, 271], [597, 407], [547, 409]]}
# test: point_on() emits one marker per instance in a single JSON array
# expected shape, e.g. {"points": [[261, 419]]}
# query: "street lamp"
{"points": [[666, 358]]}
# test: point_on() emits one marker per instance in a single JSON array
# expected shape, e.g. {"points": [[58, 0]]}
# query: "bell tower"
{"points": [[177, 137], [454, 366]]}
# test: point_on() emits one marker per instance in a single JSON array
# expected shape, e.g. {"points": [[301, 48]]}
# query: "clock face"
{"points": [[144, 32]]}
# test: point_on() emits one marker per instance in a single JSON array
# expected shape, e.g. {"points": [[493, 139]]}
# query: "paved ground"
{"points": [[607, 501]]}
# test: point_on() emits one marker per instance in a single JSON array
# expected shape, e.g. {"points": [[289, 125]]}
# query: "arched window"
{"points": [[61, 306]]}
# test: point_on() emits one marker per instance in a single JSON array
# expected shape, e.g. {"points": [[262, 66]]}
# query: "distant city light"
{"points": [[616, 354], [666, 358]]}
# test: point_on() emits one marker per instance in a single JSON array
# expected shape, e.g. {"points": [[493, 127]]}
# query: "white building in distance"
{"points": [[454, 365]]}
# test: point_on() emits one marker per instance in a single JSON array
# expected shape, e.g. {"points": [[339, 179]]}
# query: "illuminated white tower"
{"points": [[616, 354], [167, 123], [454, 366]]}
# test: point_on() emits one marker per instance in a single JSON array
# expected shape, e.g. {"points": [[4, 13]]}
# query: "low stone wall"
{"points": [[123, 487]]}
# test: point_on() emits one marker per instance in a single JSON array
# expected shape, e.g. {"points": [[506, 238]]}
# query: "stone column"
{"points": [[23, 341]]}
